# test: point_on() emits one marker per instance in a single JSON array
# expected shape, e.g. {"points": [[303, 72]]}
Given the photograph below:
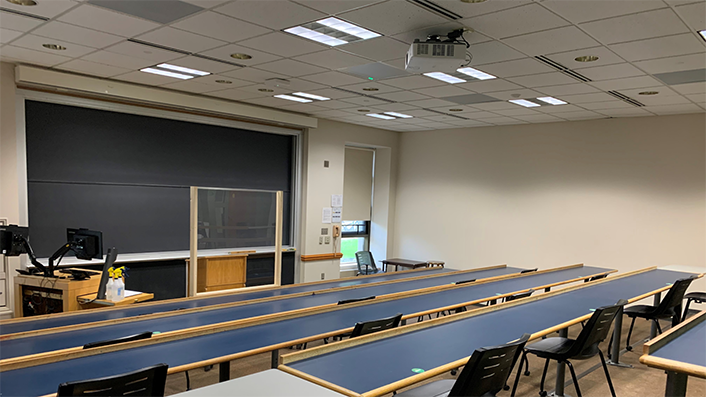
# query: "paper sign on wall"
{"points": [[336, 214], [336, 200], [326, 215]]}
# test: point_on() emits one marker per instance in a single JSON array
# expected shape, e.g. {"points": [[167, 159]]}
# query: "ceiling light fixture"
{"points": [[703, 34], [178, 72], [380, 116], [182, 69], [240, 56], [315, 36], [349, 28], [167, 73], [26, 3], [293, 98], [224, 82], [265, 90], [312, 96], [400, 115], [55, 47], [332, 31], [524, 102], [648, 93], [551, 100], [370, 89], [586, 58], [447, 78], [476, 74]]}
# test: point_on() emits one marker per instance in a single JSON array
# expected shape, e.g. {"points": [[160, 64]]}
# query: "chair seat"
{"points": [[646, 311], [698, 297], [553, 348], [439, 388]]}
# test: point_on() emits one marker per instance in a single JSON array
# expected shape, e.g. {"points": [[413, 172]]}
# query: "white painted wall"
{"points": [[621, 193], [328, 142]]}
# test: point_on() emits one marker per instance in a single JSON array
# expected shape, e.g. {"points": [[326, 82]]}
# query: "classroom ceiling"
{"points": [[643, 46]]}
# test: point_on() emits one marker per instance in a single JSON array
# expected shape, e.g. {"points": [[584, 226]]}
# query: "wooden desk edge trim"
{"points": [[318, 381], [655, 344], [320, 257], [674, 366]]}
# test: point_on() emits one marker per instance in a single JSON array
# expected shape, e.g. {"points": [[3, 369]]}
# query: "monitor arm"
{"points": [[49, 272], [33, 258]]}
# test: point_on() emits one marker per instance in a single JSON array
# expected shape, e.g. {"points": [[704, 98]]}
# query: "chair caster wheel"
{"points": [[629, 348], [207, 368], [543, 393], [527, 373], [506, 387], [454, 372]]}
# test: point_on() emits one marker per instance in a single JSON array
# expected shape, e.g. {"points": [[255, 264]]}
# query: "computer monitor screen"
{"points": [[86, 244], [11, 243]]}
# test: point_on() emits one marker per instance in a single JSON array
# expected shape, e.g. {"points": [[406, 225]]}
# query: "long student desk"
{"points": [[220, 343], [681, 352], [392, 358], [59, 320]]}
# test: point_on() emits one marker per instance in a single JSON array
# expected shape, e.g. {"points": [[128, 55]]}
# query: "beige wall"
{"points": [[621, 193], [328, 142]]}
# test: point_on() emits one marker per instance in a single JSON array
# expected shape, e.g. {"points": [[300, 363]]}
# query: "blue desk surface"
{"points": [[138, 310], [23, 381], [689, 347], [392, 359]]}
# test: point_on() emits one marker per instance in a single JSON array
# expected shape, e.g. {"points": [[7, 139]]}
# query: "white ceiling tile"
{"points": [[629, 82], [336, 6], [587, 98], [503, 121], [119, 60], [360, 88], [258, 57], [48, 9], [493, 51], [363, 101], [441, 29], [203, 64], [609, 72], [332, 59], [403, 96], [76, 34], [583, 11], [442, 91], [17, 22], [291, 67], [519, 111], [420, 113], [263, 90], [35, 43], [180, 39], [625, 112], [698, 98], [635, 92], [302, 107], [337, 104], [468, 10], [691, 88], [397, 107], [31, 56], [145, 78], [191, 86], [468, 123], [581, 115], [406, 17], [304, 85], [93, 68], [493, 106], [332, 93], [274, 14], [607, 104], [107, 21], [559, 109], [520, 67], [431, 103], [413, 82], [556, 40], [379, 49], [662, 100], [515, 21], [568, 58], [513, 94], [440, 118], [539, 118], [568, 89], [488, 85], [7, 35], [639, 26], [234, 94], [675, 109], [206, 3], [465, 111], [136, 50], [331, 113], [220, 27], [543, 79], [254, 75], [659, 48], [334, 79], [282, 44], [694, 15], [212, 79], [673, 64]]}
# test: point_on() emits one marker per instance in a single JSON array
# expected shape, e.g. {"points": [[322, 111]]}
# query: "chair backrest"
{"points": [[143, 335], [366, 263], [343, 302], [465, 281], [596, 330], [529, 270], [488, 369], [594, 278], [368, 327], [519, 296], [148, 381], [675, 295]]}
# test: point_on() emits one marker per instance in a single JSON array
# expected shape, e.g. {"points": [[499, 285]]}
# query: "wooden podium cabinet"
{"points": [[217, 273]]}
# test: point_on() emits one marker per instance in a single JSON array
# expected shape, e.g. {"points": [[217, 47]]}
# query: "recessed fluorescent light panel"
{"points": [[312, 96], [476, 74], [332, 31], [703, 34], [447, 78], [293, 98], [524, 102], [380, 116], [551, 100], [400, 115], [178, 72]]}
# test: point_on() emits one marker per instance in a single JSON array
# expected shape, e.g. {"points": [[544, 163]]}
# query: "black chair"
{"points": [[369, 327], [585, 346], [485, 373], [140, 336], [594, 278], [512, 298], [669, 307], [354, 300], [148, 381], [529, 270], [366, 263], [696, 297]]}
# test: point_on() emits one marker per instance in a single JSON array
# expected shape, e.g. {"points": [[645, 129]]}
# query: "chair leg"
{"points": [[543, 392], [659, 329], [607, 375], [188, 381], [573, 377], [610, 345], [527, 371], [686, 309], [519, 370], [632, 324]]}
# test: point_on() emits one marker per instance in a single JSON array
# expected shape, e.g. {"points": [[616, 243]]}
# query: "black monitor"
{"points": [[86, 244], [12, 240]]}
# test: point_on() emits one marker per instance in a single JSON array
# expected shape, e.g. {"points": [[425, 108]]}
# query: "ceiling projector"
{"points": [[437, 55]]}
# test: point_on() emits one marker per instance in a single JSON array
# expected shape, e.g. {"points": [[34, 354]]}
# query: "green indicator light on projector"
{"points": [[370, 78], [417, 370]]}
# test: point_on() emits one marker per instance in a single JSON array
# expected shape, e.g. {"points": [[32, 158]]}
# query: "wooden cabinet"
{"points": [[52, 295], [217, 273]]}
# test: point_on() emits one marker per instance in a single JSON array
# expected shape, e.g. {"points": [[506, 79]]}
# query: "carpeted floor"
{"points": [[639, 381]]}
